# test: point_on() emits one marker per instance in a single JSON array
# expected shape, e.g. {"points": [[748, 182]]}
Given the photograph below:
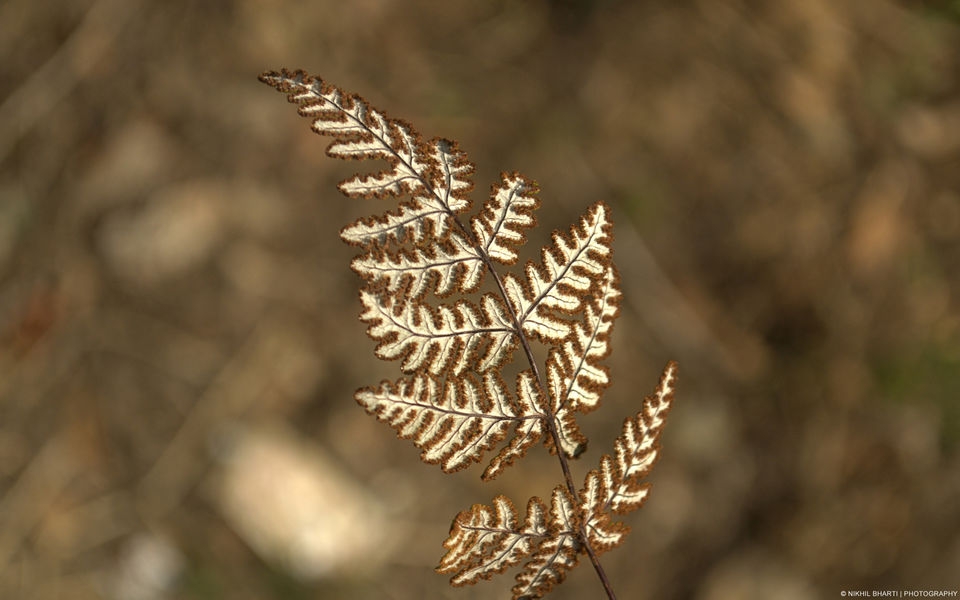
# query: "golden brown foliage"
{"points": [[452, 400]]}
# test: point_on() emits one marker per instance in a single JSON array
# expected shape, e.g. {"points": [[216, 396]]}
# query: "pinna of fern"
{"points": [[452, 400]]}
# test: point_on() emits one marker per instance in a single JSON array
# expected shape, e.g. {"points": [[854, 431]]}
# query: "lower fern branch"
{"points": [[582, 538]]}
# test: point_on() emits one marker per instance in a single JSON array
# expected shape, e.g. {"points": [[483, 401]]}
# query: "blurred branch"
{"points": [[27, 500], [662, 306], [657, 302], [249, 374], [47, 86]]}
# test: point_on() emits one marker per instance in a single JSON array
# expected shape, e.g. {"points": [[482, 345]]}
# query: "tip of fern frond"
{"points": [[670, 373], [277, 79], [271, 77]]}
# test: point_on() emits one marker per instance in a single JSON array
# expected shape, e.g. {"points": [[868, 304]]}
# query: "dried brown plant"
{"points": [[452, 400]]}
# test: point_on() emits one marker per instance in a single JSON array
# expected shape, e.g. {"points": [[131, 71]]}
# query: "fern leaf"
{"points": [[484, 542], [575, 379], [435, 173], [617, 486], [589, 344], [443, 268], [568, 270], [453, 338], [602, 532], [453, 186], [528, 432], [453, 423], [572, 442], [456, 422], [426, 217], [499, 228], [556, 554]]}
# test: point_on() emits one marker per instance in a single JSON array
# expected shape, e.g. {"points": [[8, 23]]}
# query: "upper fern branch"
{"points": [[436, 173], [424, 247]]}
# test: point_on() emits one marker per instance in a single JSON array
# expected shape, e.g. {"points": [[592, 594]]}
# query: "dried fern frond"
{"points": [[618, 486], [452, 400], [569, 268], [557, 554], [478, 546], [484, 542]]}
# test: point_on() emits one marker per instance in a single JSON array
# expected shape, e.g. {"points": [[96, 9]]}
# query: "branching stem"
{"points": [[551, 422]]}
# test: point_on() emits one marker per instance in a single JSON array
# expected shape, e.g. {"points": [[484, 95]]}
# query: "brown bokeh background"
{"points": [[178, 334]]}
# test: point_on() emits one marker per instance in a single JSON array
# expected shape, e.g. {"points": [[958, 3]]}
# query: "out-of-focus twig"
{"points": [[255, 368], [47, 86], [651, 295], [24, 505]]}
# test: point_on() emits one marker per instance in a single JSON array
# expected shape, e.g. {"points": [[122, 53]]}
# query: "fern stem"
{"points": [[551, 422], [595, 561], [583, 539]]}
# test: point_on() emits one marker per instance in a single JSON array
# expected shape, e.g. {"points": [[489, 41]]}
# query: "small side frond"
{"points": [[442, 268], [499, 228], [589, 344], [638, 446], [453, 423], [436, 173], [572, 441], [528, 432], [453, 185], [575, 379], [421, 219], [569, 268], [602, 532], [484, 542], [617, 486], [557, 553], [453, 338]]}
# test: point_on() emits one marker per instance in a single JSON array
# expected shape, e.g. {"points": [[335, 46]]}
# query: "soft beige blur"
{"points": [[785, 184]]}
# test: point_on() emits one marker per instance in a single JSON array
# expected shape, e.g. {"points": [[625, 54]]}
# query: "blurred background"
{"points": [[178, 336]]}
